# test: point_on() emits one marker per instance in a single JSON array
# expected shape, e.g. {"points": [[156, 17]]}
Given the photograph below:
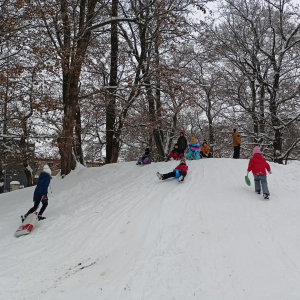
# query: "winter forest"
{"points": [[101, 80]]}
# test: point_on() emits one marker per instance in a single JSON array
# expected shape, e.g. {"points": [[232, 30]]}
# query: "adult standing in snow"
{"points": [[258, 166], [40, 193], [236, 140], [182, 143]]}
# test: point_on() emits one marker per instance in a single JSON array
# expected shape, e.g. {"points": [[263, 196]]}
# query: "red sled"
{"points": [[28, 224]]}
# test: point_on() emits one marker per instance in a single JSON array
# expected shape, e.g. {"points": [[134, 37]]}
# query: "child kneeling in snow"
{"points": [[258, 166], [145, 159], [193, 150], [175, 153], [179, 172]]}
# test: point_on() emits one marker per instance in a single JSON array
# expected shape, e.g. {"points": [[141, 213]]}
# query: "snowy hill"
{"points": [[117, 232]]}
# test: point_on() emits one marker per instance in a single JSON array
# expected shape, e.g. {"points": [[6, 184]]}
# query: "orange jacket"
{"points": [[236, 139], [205, 149]]}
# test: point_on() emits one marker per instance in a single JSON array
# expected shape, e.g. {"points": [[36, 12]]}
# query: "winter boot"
{"points": [[181, 178], [266, 196], [24, 217], [41, 218], [160, 176], [257, 192]]}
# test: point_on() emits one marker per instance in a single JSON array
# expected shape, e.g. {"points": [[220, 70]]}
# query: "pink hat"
{"points": [[182, 132], [256, 150]]}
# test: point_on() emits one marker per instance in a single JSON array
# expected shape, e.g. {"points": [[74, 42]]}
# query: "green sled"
{"points": [[247, 180]]}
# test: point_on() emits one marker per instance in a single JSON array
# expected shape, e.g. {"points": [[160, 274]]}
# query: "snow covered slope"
{"points": [[117, 232]]}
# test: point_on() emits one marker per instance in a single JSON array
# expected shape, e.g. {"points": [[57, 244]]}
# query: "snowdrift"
{"points": [[117, 232]]}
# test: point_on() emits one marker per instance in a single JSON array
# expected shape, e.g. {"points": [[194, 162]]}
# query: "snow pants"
{"points": [[236, 153], [173, 174], [193, 155], [175, 155], [202, 155], [261, 181], [145, 161], [37, 200]]}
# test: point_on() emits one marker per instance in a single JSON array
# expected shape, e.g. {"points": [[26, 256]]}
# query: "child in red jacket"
{"points": [[179, 172], [258, 166]]}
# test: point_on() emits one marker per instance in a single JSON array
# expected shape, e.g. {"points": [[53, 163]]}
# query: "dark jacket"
{"points": [[175, 150], [147, 154], [182, 143], [42, 185]]}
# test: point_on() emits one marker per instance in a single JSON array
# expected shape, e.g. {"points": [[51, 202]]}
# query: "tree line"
{"points": [[101, 80]]}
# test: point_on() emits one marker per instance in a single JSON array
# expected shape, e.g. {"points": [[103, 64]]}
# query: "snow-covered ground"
{"points": [[117, 232]]}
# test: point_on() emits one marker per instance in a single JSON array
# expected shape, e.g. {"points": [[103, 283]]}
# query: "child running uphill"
{"points": [[40, 193], [258, 166], [179, 172]]}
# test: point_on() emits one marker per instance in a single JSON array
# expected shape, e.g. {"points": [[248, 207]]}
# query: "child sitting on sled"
{"points": [[205, 151], [145, 159], [179, 172], [175, 153], [193, 150]]}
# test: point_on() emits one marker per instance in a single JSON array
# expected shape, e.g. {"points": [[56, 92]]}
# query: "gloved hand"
{"points": [[206, 155], [270, 172], [44, 197]]}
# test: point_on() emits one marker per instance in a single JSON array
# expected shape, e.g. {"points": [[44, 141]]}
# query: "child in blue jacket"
{"points": [[40, 193]]}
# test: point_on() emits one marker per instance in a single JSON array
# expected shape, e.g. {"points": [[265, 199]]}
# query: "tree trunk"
{"points": [[156, 131], [112, 143], [277, 143], [78, 141], [157, 93], [66, 140]]}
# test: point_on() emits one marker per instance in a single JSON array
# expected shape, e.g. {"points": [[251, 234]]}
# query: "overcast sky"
{"points": [[212, 6]]}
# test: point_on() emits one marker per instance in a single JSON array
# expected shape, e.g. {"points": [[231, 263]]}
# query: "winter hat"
{"points": [[183, 159], [147, 150], [182, 132], [176, 145], [256, 150], [193, 140], [234, 130], [46, 169]]}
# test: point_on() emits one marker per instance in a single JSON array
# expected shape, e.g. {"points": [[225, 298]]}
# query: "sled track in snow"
{"points": [[117, 232]]}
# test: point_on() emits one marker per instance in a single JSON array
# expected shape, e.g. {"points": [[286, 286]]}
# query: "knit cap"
{"points": [[193, 140], [46, 169], [256, 150]]}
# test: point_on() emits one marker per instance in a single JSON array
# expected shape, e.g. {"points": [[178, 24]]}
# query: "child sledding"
{"points": [[146, 159], [205, 151], [175, 153], [179, 172], [193, 150]]}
